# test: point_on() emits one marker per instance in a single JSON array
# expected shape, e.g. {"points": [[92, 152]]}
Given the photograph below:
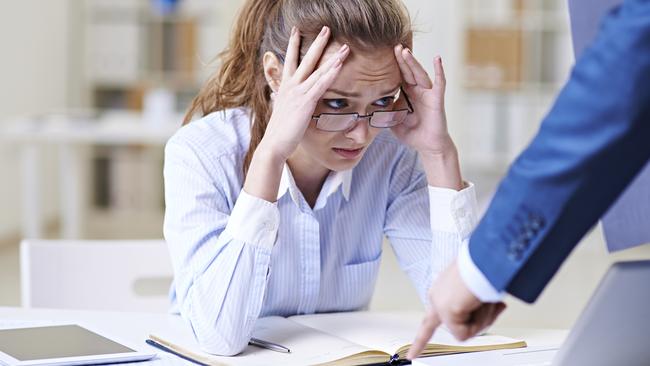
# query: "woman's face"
{"points": [[368, 81]]}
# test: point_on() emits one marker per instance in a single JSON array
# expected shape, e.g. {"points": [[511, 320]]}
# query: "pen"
{"points": [[268, 345], [169, 350]]}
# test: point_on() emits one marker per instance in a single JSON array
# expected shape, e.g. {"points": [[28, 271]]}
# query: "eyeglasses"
{"points": [[334, 122]]}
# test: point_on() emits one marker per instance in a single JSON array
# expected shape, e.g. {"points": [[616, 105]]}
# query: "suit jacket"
{"points": [[592, 143]]}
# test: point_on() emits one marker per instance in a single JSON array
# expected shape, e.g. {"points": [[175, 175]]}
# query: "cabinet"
{"points": [[517, 54]]}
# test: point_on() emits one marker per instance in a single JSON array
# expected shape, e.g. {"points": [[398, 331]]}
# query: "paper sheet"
{"points": [[386, 331]]}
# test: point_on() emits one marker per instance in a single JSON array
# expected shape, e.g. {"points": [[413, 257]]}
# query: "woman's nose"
{"points": [[360, 130]]}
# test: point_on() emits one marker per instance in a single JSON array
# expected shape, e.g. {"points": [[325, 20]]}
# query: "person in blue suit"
{"points": [[590, 146]]}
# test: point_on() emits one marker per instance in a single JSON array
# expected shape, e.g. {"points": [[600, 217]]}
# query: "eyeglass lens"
{"points": [[341, 122]]}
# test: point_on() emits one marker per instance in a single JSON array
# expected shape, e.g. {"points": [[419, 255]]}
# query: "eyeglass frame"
{"points": [[409, 110]]}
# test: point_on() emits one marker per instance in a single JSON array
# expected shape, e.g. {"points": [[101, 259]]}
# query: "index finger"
{"points": [[315, 51], [421, 76], [291, 58], [440, 80], [429, 325], [404, 69]]}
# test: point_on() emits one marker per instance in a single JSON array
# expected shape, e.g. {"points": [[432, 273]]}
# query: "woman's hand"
{"points": [[426, 129], [300, 89], [294, 104]]}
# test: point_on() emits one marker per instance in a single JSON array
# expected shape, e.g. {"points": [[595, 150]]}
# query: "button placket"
{"points": [[311, 264]]}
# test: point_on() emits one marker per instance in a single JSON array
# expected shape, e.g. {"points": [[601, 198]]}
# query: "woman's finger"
{"points": [[407, 75], [314, 53], [323, 83], [421, 77], [440, 80], [341, 55], [291, 58]]}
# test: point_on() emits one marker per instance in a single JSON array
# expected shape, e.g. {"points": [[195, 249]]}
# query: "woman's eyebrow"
{"points": [[392, 91], [343, 93], [355, 95]]}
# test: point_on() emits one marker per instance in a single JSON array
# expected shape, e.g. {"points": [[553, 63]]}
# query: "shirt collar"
{"points": [[333, 181]]}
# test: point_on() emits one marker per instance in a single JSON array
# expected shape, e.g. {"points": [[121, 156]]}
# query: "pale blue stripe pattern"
{"points": [[237, 257]]}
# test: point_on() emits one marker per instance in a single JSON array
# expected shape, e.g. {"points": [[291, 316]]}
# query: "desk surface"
{"points": [[133, 328]]}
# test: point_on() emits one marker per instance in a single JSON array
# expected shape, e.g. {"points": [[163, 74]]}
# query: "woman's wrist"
{"points": [[440, 145], [442, 167], [264, 174], [267, 153]]}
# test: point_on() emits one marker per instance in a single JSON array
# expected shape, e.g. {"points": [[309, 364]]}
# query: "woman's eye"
{"points": [[385, 101], [335, 104]]}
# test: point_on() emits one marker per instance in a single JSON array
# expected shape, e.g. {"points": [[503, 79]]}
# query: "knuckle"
{"points": [[464, 333], [298, 89], [456, 310]]}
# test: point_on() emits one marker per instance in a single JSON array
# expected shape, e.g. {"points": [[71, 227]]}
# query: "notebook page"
{"points": [[386, 331], [308, 346]]}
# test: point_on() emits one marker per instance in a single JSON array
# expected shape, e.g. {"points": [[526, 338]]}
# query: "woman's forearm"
{"points": [[223, 302]]}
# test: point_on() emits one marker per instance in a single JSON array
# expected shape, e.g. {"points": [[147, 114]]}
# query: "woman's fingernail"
{"points": [[344, 48], [323, 31], [293, 30]]}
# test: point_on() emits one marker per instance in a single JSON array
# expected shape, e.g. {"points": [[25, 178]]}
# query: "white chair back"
{"points": [[117, 275]]}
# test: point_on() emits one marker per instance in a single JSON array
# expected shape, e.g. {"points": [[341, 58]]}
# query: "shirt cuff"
{"points": [[474, 279], [254, 221], [453, 211]]}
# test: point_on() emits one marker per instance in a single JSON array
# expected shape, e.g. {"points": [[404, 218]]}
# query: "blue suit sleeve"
{"points": [[592, 143]]}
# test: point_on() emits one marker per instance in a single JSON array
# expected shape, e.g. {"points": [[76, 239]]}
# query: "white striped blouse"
{"points": [[237, 257]]}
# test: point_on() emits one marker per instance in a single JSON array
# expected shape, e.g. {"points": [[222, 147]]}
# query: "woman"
{"points": [[278, 198]]}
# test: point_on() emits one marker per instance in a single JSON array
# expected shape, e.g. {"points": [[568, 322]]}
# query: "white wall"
{"points": [[439, 31], [33, 71]]}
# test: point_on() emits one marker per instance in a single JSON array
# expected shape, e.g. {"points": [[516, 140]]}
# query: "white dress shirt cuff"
{"points": [[474, 279], [254, 221], [453, 211]]}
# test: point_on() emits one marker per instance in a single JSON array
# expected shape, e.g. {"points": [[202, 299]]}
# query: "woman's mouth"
{"points": [[348, 153]]}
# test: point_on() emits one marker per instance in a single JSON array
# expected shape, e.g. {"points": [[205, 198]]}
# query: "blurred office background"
{"points": [[92, 89]]}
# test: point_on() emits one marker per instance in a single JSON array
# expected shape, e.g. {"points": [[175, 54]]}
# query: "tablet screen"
{"points": [[28, 344]]}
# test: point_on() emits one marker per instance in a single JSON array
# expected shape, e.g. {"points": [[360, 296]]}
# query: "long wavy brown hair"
{"points": [[265, 25]]}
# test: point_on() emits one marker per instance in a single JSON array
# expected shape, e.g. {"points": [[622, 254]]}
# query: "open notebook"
{"points": [[340, 339]]}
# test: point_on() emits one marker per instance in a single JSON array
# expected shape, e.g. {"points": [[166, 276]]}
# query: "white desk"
{"points": [[68, 134], [130, 328], [134, 328]]}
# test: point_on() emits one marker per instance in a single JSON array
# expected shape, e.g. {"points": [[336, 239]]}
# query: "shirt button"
{"points": [[461, 213], [530, 234], [537, 223]]}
